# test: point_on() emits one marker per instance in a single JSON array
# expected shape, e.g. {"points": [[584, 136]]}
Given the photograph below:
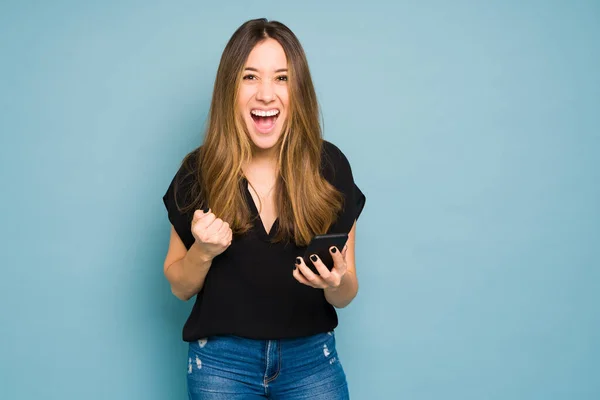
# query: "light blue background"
{"points": [[472, 127]]}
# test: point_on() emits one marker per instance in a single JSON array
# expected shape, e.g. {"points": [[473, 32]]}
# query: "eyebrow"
{"points": [[276, 71]]}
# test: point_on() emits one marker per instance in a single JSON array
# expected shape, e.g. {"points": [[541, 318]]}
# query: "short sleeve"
{"points": [[177, 197], [339, 172]]}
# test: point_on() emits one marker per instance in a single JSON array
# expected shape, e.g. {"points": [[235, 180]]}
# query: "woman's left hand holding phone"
{"points": [[326, 279]]}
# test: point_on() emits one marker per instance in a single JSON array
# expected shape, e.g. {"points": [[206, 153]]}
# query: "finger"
{"points": [[214, 227], [199, 214], [321, 267], [301, 278], [331, 278], [344, 251], [199, 228], [224, 228], [205, 221], [224, 235], [308, 274], [339, 263]]}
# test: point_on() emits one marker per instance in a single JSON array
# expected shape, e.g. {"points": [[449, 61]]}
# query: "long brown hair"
{"points": [[306, 203]]}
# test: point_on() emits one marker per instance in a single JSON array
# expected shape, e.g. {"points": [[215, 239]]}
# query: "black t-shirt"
{"points": [[249, 290]]}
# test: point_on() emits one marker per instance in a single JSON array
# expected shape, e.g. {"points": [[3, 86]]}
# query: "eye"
{"points": [[249, 77], [282, 78]]}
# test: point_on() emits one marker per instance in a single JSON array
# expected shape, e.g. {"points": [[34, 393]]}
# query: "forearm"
{"points": [[341, 296], [187, 275]]}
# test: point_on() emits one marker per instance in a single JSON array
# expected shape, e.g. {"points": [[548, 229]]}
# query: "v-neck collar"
{"points": [[261, 230]]}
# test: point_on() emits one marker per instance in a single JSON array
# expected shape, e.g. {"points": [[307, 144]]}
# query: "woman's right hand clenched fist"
{"points": [[212, 234]]}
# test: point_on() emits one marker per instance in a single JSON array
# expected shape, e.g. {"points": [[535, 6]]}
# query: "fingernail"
{"points": [[333, 250], [205, 210], [295, 267], [313, 257], [297, 261]]}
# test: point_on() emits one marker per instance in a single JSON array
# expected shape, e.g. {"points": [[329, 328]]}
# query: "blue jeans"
{"points": [[235, 368]]}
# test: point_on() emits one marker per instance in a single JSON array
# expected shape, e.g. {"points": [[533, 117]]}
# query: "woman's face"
{"points": [[263, 93]]}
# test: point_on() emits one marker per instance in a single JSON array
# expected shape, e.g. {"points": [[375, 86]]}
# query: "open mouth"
{"points": [[264, 120]]}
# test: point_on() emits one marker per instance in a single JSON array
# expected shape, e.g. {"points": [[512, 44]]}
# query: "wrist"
{"points": [[199, 255]]}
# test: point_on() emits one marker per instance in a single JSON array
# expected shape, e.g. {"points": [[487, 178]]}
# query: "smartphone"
{"points": [[320, 245]]}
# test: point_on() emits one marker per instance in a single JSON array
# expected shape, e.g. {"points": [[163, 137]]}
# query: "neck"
{"points": [[264, 157]]}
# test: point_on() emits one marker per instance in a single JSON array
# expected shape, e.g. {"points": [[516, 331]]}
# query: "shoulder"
{"points": [[181, 195], [334, 163], [330, 150], [187, 174], [337, 170], [190, 162]]}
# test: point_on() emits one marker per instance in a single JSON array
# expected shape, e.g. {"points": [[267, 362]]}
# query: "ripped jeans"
{"points": [[235, 368]]}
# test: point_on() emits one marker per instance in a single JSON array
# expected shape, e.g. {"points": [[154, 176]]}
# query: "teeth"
{"points": [[260, 113]]}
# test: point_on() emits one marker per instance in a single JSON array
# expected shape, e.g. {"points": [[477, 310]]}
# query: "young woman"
{"points": [[243, 207]]}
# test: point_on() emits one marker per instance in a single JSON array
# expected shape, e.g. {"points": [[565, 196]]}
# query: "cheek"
{"points": [[244, 95], [241, 109], [284, 96]]}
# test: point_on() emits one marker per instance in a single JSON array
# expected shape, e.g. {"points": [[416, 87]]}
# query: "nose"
{"points": [[265, 92]]}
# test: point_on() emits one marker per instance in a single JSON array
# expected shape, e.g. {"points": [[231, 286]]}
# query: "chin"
{"points": [[262, 140], [264, 143]]}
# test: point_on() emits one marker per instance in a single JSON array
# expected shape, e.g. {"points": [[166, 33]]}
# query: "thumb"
{"points": [[199, 214]]}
